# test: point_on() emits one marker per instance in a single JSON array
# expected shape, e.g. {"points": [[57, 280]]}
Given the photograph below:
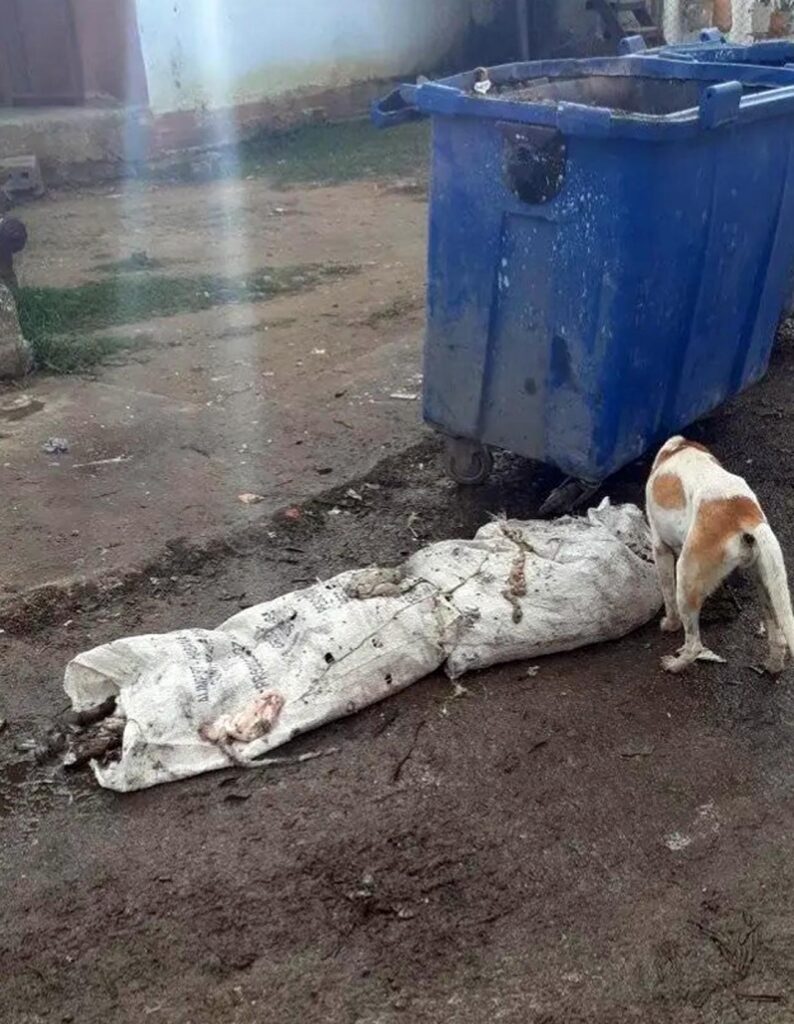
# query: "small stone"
{"points": [[55, 446]]}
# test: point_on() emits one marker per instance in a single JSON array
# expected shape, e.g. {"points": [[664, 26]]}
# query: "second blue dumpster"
{"points": [[609, 248], [713, 47]]}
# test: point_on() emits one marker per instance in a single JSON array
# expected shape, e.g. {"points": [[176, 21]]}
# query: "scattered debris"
{"points": [[408, 187], [365, 890], [404, 396], [292, 514], [533, 670], [96, 748], [311, 755], [237, 798], [55, 446], [630, 751], [737, 943], [250, 499], [482, 81], [395, 775], [459, 690], [20, 408], [677, 841], [351, 493], [318, 351], [706, 824], [385, 722], [102, 462]]}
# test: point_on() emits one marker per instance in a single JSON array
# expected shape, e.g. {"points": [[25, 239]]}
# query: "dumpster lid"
{"points": [[647, 98], [767, 53]]}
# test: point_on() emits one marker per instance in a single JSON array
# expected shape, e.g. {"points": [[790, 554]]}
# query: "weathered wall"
{"points": [[210, 55]]}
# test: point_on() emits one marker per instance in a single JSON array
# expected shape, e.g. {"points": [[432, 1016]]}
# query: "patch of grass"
{"points": [[336, 153], [57, 319], [327, 154], [133, 263], [76, 353], [401, 306]]}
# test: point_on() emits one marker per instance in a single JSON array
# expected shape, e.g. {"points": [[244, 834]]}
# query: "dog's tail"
{"points": [[772, 570]]}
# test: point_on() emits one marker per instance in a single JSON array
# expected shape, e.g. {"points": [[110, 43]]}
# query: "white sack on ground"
{"points": [[525, 589], [197, 700]]}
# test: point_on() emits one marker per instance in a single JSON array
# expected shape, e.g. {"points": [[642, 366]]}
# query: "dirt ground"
{"points": [[278, 399], [596, 843]]}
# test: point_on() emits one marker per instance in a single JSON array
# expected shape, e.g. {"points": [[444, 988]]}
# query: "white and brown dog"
{"points": [[706, 522]]}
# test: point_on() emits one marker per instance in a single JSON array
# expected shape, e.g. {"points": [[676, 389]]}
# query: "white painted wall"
{"points": [[220, 53]]}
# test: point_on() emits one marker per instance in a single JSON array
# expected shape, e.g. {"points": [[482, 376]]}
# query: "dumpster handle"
{"points": [[720, 104], [631, 44], [711, 35], [396, 108]]}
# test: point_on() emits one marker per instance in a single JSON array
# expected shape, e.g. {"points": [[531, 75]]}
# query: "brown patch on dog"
{"points": [[716, 523], [668, 491], [668, 453]]}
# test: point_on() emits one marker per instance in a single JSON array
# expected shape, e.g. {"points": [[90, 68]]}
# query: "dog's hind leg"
{"points": [[776, 659], [665, 567], [697, 578]]}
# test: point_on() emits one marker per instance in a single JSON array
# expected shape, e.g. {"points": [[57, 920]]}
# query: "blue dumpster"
{"points": [[609, 247], [713, 47]]}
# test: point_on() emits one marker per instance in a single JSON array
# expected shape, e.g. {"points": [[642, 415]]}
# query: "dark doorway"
{"points": [[39, 56]]}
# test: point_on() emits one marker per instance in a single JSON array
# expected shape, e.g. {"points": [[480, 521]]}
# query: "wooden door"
{"points": [[39, 53]]}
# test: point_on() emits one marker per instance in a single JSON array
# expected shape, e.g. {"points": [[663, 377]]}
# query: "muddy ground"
{"points": [[595, 843], [279, 397]]}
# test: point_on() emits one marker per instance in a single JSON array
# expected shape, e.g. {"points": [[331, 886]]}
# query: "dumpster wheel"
{"points": [[467, 462]]}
